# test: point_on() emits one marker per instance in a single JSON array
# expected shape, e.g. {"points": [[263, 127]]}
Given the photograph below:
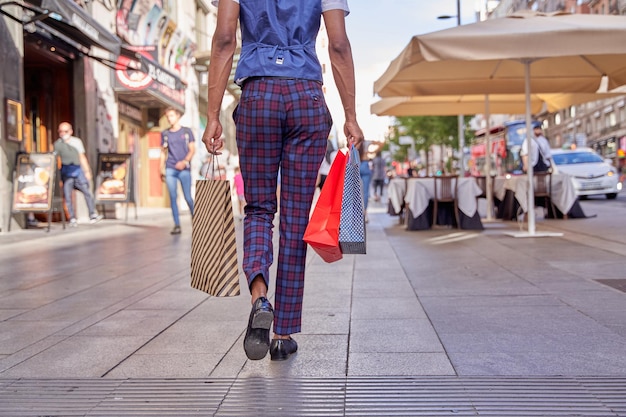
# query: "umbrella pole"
{"points": [[488, 186], [531, 190]]}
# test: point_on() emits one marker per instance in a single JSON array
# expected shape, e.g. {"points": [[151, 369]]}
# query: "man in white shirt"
{"points": [[540, 155]]}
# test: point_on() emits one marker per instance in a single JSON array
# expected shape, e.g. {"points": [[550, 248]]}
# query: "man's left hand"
{"points": [[353, 133]]}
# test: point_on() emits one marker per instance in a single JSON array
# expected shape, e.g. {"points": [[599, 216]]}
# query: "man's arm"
{"points": [[162, 158], [525, 163], [547, 153], [191, 151], [340, 53], [524, 155], [84, 164], [180, 165], [222, 51]]}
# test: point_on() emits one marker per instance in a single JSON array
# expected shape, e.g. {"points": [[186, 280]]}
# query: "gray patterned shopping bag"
{"points": [[352, 223]]}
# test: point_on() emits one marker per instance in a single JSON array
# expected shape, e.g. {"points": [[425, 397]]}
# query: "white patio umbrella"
{"points": [[524, 52], [448, 105]]}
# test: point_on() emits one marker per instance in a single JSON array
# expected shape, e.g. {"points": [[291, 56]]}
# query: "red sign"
{"points": [[144, 74]]}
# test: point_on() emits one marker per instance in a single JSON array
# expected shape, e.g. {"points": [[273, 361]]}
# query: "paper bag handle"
{"points": [[215, 166]]}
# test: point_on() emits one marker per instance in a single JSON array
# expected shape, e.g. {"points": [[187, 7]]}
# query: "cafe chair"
{"points": [[446, 187], [542, 183]]}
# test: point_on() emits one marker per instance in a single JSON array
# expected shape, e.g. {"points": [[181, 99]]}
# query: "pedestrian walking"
{"points": [[75, 172], [379, 174], [366, 178], [282, 121], [178, 147], [239, 189], [326, 164]]}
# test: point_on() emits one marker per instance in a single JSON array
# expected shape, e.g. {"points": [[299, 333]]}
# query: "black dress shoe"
{"points": [[282, 348], [257, 340]]}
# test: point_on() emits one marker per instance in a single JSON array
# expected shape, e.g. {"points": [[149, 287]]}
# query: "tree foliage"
{"points": [[425, 132]]}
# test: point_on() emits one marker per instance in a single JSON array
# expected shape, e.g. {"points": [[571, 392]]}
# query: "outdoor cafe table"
{"points": [[413, 197], [512, 193]]}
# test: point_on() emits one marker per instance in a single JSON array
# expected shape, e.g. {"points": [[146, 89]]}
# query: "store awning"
{"points": [[67, 18], [142, 81]]}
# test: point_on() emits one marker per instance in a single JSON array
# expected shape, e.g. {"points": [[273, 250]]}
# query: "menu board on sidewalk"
{"points": [[113, 177], [33, 183]]}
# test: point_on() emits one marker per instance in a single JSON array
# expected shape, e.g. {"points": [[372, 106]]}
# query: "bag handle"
{"points": [[215, 166], [353, 154]]}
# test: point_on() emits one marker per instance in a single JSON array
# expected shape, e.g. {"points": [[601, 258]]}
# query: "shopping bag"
{"points": [[322, 232], [352, 220], [213, 245]]}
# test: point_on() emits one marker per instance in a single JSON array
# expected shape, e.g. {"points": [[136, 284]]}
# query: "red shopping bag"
{"points": [[322, 232]]}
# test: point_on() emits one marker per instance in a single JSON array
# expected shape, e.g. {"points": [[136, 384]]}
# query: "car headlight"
{"points": [[610, 174]]}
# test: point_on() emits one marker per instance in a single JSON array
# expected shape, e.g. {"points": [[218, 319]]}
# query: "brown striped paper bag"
{"points": [[213, 245]]}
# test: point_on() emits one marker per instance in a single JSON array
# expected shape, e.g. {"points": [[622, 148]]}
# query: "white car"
{"points": [[590, 173]]}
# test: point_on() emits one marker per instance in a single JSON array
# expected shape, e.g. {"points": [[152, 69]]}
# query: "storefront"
{"points": [[145, 89], [613, 148], [53, 76]]}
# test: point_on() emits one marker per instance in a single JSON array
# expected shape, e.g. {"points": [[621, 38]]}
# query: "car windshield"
{"points": [[576, 158]]}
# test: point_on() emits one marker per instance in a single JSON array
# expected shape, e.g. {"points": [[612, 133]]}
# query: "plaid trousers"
{"points": [[282, 128]]}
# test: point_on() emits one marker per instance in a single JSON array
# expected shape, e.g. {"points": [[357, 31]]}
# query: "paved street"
{"points": [[100, 320]]}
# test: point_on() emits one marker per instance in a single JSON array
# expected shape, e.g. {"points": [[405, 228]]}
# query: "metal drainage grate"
{"points": [[618, 284], [301, 397]]}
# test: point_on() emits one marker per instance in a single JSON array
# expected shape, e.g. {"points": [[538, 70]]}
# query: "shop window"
{"points": [[612, 119], [206, 19], [611, 148]]}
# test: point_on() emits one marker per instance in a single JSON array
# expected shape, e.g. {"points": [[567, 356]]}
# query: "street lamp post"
{"points": [[461, 118]]}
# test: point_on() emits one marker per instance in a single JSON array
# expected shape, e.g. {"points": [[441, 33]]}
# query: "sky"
{"points": [[379, 30]]}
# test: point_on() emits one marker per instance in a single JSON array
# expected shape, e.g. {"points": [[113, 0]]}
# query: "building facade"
{"points": [[53, 72], [506, 7], [112, 77], [111, 69]]}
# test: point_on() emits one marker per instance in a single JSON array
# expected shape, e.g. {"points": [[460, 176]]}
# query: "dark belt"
{"points": [[270, 78], [277, 78]]}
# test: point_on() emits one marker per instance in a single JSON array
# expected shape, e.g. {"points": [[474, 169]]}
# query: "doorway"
{"points": [[47, 93]]}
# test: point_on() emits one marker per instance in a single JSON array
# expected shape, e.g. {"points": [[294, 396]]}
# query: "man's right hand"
{"points": [[212, 137]]}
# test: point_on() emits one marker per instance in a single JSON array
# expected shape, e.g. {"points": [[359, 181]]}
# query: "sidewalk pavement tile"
{"points": [[167, 365], [393, 336], [78, 357], [399, 364]]}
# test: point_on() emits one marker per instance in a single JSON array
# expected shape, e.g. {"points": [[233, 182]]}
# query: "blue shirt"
{"points": [[177, 144], [278, 37]]}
